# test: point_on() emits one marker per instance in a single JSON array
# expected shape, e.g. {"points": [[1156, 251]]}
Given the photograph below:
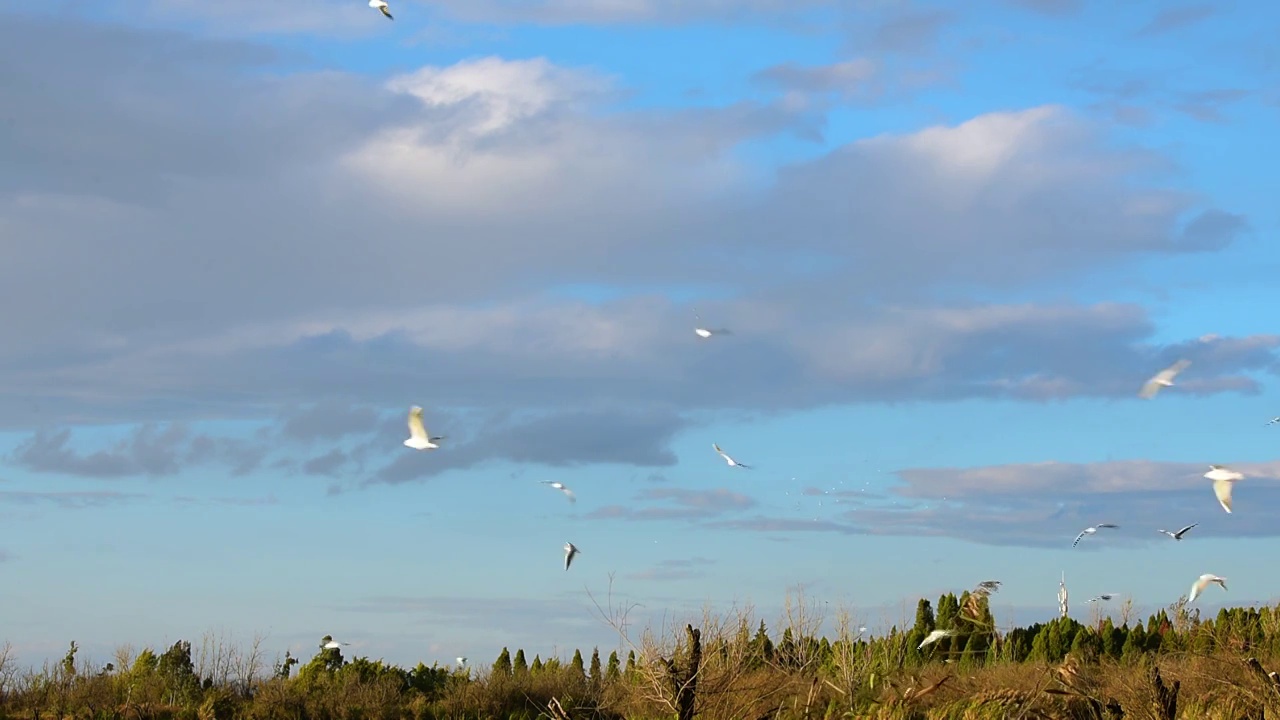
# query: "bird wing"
{"points": [[569, 494], [1149, 389], [417, 430], [386, 12], [1222, 488], [1177, 367], [1082, 534], [1106, 525], [1187, 528], [718, 450]]}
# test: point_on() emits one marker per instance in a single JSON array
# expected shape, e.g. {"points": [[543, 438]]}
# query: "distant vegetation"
{"points": [[1173, 665]]}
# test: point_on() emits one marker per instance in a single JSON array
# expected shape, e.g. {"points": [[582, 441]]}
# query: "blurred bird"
{"points": [[704, 332], [418, 437], [1178, 535], [1223, 479], [561, 487], [1104, 596], [1162, 379], [729, 460], [1202, 583], [1274, 420], [935, 636], [570, 552], [334, 645], [1091, 530], [382, 6]]}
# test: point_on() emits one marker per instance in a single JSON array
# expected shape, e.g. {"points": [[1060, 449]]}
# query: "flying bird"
{"points": [[561, 487], [334, 645], [1223, 479], [1162, 379], [1091, 530], [418, 437], [1178, 535], [989, 586], [462, 661], [1202, 583], [1274, 420], [729, 460], [570, 551], [382, 6], [935, 636], [1104, 596], [704, 332]]}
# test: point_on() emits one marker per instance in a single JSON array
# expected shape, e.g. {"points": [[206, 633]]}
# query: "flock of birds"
{"points": [[1223, 478]]}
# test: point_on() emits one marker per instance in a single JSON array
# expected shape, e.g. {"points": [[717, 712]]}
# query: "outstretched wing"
{"points": [[417, 430], [1222, 488]]}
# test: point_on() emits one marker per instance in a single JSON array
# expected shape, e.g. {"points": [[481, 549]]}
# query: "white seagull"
{"points": [[462, 661], [1178, 535], [1202, 583], [1091, 530], [561, 487], [382, 6], [1223, 478], [570, 551], [704, 332], [935, 636], [729, 460], [334, 645], [418, 437], [1162, 379], [1103, 596]]}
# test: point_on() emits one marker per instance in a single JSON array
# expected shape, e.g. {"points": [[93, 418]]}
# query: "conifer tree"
{"points": [[519, 667], [536, 666], [595, 675], [611, 671], [502, 666], [577, 665]]}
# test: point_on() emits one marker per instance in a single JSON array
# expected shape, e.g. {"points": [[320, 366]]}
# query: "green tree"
{"points": [[611, 670], [519, 666], [502, 666], [1135, 643], [631, 663], [596, 675], [577, 665], [536, 667]]}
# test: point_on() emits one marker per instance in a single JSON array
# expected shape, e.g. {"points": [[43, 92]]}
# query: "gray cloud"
{"points": [[555, 439], [67, 499], [1173, 18], [329, 463], [149, 450], [1040, 504], [850, 78], [229, 287], [328, 420], [1207, 105], [683, 504], [6, 556], [909, 30], [230, 501]]}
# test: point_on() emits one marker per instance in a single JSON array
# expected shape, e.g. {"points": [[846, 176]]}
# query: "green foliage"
{"points": [[743, 675]]}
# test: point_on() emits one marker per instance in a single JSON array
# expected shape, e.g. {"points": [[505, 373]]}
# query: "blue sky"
{"points": [[951, 240]]}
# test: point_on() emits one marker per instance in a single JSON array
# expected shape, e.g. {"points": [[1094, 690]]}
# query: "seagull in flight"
{"points": [[704, 332], [1202, 583], [462, 661], [1223, 478], [418, 437], [1162, 379], [1274, 420], [989, 586], [382, 6], [729, 460], [1178, 535], [1091, 530], [562, 488], [334, 645], [570, 551], [1103, 596], [935, 636]]}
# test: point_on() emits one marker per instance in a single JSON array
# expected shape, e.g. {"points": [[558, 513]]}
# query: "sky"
{"points": [[950, 239]]}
